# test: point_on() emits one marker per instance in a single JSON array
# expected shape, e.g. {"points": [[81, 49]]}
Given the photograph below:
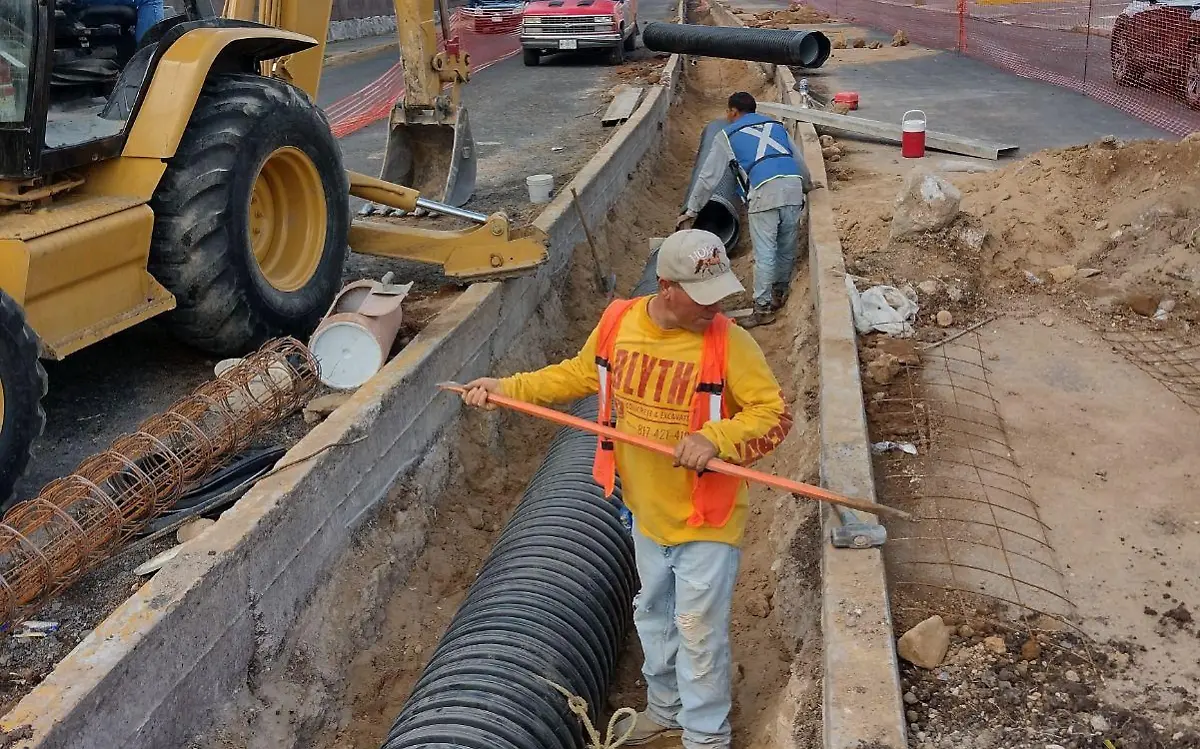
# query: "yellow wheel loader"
{"points": [[191, 175]]}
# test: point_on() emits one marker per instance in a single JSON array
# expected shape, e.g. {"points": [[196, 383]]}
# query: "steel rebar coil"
{"points": [[806, 49], [552, 601], [78, 521]]}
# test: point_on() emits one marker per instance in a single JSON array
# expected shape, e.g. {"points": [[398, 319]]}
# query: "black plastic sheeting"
{"points": [[721, 214], [805, 49], [553, 599]]}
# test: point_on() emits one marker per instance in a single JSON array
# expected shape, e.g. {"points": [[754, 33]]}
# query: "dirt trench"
{"points": [[362, 641]]}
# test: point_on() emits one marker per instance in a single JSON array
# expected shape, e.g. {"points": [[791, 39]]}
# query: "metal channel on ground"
{"points": [[158, 668], [861, 703]]}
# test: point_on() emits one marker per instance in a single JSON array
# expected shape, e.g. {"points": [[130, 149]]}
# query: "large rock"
{"points": [[925, 645], [927, 203], [1063, 273]]}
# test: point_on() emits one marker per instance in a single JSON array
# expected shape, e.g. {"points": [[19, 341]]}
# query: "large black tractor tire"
{"points": [[22, 386], [251, 217]]}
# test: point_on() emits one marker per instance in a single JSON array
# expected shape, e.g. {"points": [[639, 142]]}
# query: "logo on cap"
{"points": [[709, 262]]}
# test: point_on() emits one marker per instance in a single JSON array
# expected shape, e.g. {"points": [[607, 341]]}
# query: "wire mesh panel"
{"points": [[1172, 362], [978, 548]]}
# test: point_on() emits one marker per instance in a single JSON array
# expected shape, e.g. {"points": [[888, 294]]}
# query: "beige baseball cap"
{"points": [[696, 260]]}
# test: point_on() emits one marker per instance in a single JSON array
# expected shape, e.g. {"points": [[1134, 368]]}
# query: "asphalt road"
{"points": [[525, 121]]}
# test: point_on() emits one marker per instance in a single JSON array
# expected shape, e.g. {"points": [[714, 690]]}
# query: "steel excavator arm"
{"points": [[430, 159]]}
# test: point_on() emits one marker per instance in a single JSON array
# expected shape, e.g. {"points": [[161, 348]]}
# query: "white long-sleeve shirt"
{"points": [[768, 196]]}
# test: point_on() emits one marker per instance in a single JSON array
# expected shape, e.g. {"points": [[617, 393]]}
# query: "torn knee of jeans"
{"points": [[694, 634]]}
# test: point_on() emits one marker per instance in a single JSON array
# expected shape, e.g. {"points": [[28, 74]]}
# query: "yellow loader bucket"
{"points": [[437, 159]]}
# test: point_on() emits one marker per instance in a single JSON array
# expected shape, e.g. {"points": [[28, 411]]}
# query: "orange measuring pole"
{"points": [[795, 488]]}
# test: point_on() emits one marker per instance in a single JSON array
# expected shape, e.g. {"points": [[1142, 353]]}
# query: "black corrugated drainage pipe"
{"points": [[648, 283], [553, 600], [806, 49], [722, 213]]}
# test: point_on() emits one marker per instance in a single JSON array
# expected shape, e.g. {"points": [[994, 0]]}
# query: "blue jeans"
{"points": [[776, 238], [682, 616], [149, 12]]}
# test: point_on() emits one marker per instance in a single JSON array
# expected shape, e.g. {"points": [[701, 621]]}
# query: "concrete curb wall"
{"points": [[156, 670], [861, 704]]}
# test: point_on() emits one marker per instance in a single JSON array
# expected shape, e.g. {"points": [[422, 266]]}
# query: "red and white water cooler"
{"points": [[912, 134]]}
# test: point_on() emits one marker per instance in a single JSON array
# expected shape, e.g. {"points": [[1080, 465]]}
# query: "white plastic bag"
{"points": [[882, 308]]}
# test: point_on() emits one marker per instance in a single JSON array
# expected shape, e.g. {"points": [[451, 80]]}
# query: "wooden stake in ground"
{"points": [[795, 488], [605, 284]]}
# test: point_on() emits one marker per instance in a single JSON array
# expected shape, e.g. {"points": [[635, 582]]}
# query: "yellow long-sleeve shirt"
{"points": [[653, 374]]}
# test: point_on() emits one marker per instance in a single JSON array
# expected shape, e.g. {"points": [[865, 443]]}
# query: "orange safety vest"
{"points": [[713, 494]]}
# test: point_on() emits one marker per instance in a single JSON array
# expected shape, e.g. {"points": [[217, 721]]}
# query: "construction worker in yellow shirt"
{"points": [[672, 368]]}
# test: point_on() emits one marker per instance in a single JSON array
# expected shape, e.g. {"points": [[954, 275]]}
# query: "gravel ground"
{"points": [[1021, 691]]}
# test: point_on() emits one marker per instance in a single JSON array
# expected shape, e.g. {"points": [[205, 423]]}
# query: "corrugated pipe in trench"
{"points": [[552, 601], [722, 213]]}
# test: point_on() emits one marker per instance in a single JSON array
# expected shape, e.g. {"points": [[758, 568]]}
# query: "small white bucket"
{"points": [[540, 186]]}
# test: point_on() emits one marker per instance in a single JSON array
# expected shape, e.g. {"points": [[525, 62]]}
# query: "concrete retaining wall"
{"points": [[153, 673], [861, 703], [360, 28]]}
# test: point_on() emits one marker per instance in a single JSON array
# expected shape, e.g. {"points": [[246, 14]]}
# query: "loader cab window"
{"points": [[92, 44], [52, 92], [18, 21]]}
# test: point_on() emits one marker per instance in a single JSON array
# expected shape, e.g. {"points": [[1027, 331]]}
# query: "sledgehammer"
{"points": [[797, 489], [852, 533]]}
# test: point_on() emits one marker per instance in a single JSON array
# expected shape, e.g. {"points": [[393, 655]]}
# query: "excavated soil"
{"points": [[1084, 247], [796, 13], [362, 642], [1120, 221]]}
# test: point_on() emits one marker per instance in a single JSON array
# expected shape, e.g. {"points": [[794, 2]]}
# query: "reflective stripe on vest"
{"points": [[713, 495], [761, 148]]}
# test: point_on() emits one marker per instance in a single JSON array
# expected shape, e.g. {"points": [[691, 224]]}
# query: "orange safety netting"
{"points": [[485, 41], [1136, 56]]}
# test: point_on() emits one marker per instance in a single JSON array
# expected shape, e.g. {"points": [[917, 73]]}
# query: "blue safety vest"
{"points": [[762, 150]]}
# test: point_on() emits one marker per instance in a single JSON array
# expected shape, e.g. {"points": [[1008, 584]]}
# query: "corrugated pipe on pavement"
{"points": [[806, 49], [552, 601], [722, 213]]}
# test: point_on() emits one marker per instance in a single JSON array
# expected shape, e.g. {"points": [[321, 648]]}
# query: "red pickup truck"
{"points": [[561, 25]]}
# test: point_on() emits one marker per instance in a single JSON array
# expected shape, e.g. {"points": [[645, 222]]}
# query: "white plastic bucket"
{"points": [[540, 186]]}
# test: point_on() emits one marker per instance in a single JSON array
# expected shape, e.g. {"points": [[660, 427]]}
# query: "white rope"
{"points": [[579, 707]]}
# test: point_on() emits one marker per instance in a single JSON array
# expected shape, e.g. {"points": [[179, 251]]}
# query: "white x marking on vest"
{"points": [[763, 132]]}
